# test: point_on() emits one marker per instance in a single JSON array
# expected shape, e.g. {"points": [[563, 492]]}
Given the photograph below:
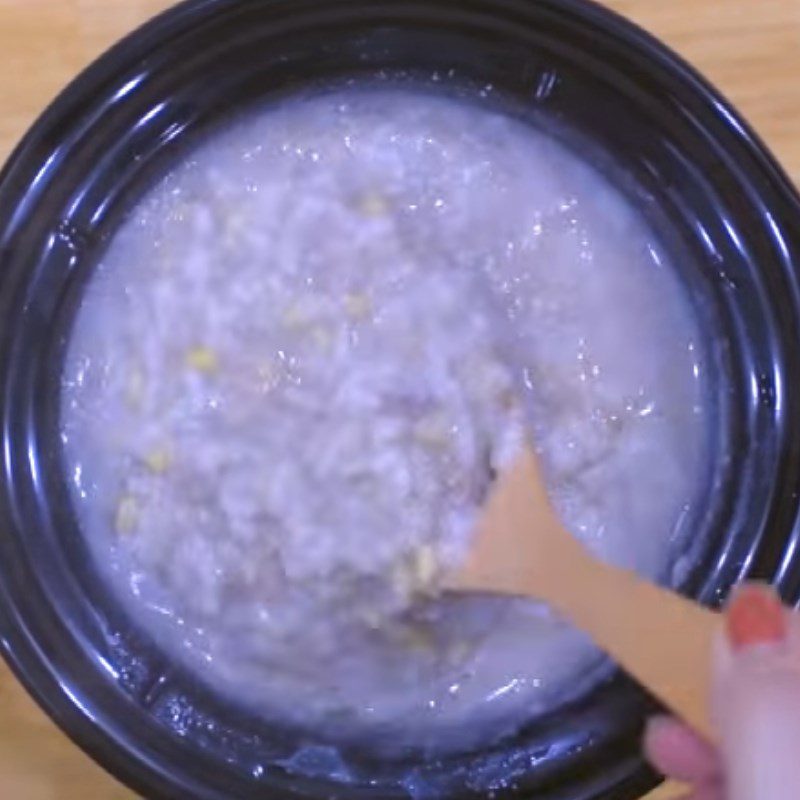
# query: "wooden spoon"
{"points": [[661, 639]]}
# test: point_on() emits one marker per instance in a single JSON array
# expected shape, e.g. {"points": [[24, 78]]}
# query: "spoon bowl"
{"points": [[521, 547]]}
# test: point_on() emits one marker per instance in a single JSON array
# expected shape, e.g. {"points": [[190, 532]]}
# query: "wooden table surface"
{"points": [[749, 48]]}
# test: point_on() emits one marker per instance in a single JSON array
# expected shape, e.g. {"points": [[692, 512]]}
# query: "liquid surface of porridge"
{"points": [[303, 359]]}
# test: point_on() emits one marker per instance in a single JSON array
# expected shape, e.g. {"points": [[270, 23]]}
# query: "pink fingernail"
{"points": [[755, 616]]}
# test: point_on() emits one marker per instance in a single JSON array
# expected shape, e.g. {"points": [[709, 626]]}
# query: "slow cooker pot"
{"points": [[731, 216]]}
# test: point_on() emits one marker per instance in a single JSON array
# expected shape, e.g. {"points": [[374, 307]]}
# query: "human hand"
{"points": [[755, 706]]}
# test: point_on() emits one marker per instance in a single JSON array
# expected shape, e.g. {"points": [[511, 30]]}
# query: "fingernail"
{"points": [[656, 728], [657, 723], [755, 616]]}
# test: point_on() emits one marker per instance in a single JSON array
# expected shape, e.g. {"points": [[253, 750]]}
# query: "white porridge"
{"points": [[304, 356]]}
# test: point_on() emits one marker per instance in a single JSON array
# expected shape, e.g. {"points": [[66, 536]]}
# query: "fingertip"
{"points": [[678, 752], [657, 730], [755, 616]]}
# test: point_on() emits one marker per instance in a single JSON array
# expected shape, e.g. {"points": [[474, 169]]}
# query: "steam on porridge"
{"points": [[305, 356]]}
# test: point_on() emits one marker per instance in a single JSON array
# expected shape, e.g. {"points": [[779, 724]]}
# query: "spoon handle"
{"points": [[522, 548], [660, 638]]}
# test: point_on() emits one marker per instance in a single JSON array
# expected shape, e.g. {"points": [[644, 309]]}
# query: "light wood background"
{"points": [[749, 48]]}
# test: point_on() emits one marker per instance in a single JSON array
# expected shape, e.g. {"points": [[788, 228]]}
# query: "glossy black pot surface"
{"points": [[698, 171]]}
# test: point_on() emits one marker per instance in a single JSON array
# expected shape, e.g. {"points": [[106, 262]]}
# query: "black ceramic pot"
{"points": [[700, 171]]}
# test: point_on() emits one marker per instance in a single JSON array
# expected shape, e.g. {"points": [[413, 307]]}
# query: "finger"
{"points": [[757, 697], [675, 750], [755, 616]]}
